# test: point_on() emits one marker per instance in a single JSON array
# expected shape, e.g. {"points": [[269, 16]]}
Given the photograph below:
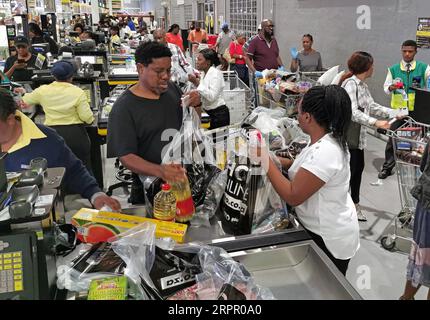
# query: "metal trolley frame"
{"points": [[289, 101], [409, 142]]}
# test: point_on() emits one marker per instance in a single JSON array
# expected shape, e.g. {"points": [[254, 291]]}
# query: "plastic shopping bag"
{"points": [[195, 151], [249, 198], [222, 278], [87, 263]]}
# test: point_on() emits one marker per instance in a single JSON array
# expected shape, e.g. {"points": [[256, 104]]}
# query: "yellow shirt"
{"points": [[29, 132], [117, 40], [63, 103]]}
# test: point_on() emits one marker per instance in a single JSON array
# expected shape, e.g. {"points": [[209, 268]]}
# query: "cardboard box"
{"points": [[96, 226]]}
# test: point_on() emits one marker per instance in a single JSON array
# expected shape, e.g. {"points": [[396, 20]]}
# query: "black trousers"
{"points": [[342, 265], [356, 165], [242, 72], [77, 139], [390, 162], [220, 117]]}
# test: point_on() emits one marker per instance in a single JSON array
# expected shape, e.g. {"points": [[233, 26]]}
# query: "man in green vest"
{"points": [[411, 73]]}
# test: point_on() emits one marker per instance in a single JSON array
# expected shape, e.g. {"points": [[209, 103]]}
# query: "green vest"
{"points": [[417, 73]]}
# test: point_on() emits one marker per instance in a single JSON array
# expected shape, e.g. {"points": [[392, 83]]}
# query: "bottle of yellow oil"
{"points": [[165, 204], [184, 202]]}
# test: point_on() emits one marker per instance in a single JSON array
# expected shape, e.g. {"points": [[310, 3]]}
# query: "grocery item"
{"points": [[98, 226], [184, 202], [112, 288], [165, 204], [171, 272]]}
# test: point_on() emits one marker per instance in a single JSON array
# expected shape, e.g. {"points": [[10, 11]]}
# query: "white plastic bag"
{"points": [[328, 76], [196, 152], [337, 78]]}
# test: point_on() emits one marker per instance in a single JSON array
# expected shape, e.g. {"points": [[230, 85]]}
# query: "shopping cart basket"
{"points": [[289, 100], [409, 142], [237, 96], [314, 75]]}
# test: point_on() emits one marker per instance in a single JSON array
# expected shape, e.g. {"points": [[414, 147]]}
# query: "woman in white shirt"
{"points": [[210, 86], [319, 178], [360, 66]]}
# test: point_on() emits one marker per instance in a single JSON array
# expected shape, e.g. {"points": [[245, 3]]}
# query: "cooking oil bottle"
{"points": [[165, 204], [184, 202]]}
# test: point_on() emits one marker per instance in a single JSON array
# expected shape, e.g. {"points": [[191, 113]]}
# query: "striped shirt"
{"points": [[364, 107]]}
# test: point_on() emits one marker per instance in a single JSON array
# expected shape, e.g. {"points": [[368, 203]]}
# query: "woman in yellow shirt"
{"points": [[66, 109], [115, 40]]}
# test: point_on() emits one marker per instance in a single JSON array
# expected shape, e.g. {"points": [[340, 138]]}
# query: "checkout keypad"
{"points": [[11, 272]]}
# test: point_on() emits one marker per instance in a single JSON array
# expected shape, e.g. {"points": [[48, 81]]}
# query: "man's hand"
{"points": [[258, 74], [172, 172], [103, 200], [392, 88], [18, 66]]}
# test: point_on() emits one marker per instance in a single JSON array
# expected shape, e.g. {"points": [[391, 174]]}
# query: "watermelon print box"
{"points": [[97, 226]]}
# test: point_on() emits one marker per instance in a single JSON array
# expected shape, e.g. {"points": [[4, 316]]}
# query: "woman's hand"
{"points": [[286, 163], [19, 90], [382, 124], [192, 99], [193, 79]]}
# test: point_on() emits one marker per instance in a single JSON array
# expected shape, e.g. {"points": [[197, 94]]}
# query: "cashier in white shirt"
{"points": [[210, 86], [318, 181]]}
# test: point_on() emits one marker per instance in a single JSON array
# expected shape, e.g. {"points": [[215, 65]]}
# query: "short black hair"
{"points": [[90, 33], [307, 35], [34, 27], [410, 43], [211, 56], [148, 51], [115, 28], [7, 104], [78, 25]]}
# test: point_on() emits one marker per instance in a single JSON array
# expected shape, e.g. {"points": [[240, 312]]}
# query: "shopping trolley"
{"points": [[314, 75], [237, 96], [291, 98], [409, 142]]}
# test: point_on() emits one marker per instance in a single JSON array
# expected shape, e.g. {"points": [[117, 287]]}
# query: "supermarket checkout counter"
{"points": [[27, 265], [287, 262]]}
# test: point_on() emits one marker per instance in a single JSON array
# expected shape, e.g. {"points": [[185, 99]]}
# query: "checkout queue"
{"points": [[154, 104], [67, 112]]}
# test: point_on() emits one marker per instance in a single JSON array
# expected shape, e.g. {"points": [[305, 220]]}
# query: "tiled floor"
{"points": [[374, 272]]}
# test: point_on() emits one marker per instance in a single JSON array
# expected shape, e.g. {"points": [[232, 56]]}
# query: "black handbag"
{"points": [[354, 129]]}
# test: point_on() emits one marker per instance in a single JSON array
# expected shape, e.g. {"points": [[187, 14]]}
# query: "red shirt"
{"points": [[264, 55], [175, 39], [236, 48]]}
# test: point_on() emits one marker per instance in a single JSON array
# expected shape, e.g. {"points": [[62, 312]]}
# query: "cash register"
{"points": [[27, 272]]}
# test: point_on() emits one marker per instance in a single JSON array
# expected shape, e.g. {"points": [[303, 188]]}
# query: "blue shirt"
{"points": [[131, 25], [77, 179]]}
